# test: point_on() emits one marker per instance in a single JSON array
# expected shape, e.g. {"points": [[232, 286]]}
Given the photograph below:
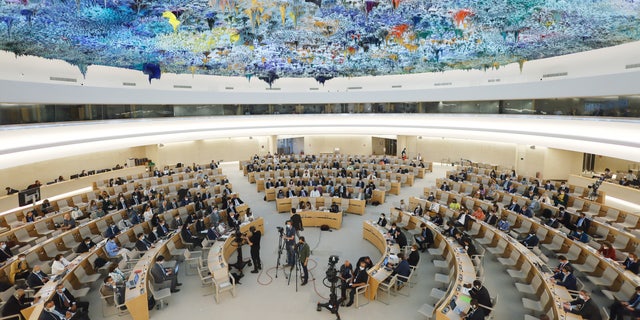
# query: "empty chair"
{"points": [[630, 222], [191, 260], [578, 204], [626, 290], [43, 228], [487, 239], [437, 293], [621, 241], [536, 305], [427, 310], [223, 281], [512, 260], [577, 192], [521, 273], [386, 287], [12, 220], [160, 296], [404, 221], [500, 247], [85, 278], [63, 205], [444, 198], [77, 201], [524, 228], [556, 243], [23, 237], [606, 280], [589, 266], [610, 217], [594, 209], [506, 200], [443, 264], [439, 250], [475, 230], [574, 252], [531, 289]]}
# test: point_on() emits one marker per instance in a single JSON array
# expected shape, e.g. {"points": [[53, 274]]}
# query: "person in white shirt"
{"points": [[148, 214], [59, 264], [314, 193], [77, 214]]}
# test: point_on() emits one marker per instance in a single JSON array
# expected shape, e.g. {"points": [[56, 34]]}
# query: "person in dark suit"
{"points": [[568, 280], [111, 231], [37, 278], [50, 312], [414, 256], [212, 233], [65, 301], [480, 293], [16, 302], [5, 252], [142, 244], [188, 238], [619, 309], [152, 236], [631, 263], [582, 222], [475, 311], [360, 278], [553, 223], [85, 245], [162, 274], [401, 239], [584, 307], [418, 211], [163, 229], [579, 235], [514, 206], [531, 240], [425, 238], [382, 221], [492, 218], [254, 242]]}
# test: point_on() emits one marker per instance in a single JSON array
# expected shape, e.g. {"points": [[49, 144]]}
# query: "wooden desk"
{"points": [[356, 206], [46, 292], [395, 188], [270, 194], [377, 274], [318, 218], [378, 195], [136, 298]]}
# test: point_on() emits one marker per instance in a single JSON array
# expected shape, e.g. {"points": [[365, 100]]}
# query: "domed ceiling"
{"points": [[321, 39]]}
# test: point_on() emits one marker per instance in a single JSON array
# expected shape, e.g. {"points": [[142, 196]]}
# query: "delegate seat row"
{"points": [[355, 206]]}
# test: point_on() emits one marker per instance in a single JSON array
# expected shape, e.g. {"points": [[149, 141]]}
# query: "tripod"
{"points": [[333, 304], [295, 264], [281, 244], [240, 262]]}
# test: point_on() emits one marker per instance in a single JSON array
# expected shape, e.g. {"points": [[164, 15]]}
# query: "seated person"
{"points": [[19, 269], [401, 239], [65, 302], [113, 250], [479, 214], [29, 217], [5, 252], [474, 312], [414, 256], [579, 235], [59, 264], [583, 306], [367, 262], [16, 303], [111, 292], [454, 205], [85, 245], [382, 221], [424, 239], [437, 219], [68, 222], [360, 278], [161, 274], [557, 272], [403, 268], [77, 214], [37, 278], [607, 251], [481, 294], [185, 233], [142, 244], [631, 263], [582, 222], [620, 309], [531, 240], [568, 280], [503, 224]]}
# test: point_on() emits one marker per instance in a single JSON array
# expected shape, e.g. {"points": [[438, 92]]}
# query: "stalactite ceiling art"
{"points": [[319, 39]]}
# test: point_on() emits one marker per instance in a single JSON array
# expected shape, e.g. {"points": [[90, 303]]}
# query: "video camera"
{"points": [[332, 272], [280, 230]]}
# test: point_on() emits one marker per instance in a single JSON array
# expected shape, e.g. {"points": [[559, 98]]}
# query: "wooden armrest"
{"points": [[483, 306]]}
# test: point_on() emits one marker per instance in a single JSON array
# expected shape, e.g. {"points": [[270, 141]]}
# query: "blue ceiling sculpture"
{"points": [[321, 39]]}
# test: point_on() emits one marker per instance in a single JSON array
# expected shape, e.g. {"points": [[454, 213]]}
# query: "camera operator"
{"points": [[296, 221], [359, 279], [289, 238], [345, 275], [254, 243], [303, 255]]}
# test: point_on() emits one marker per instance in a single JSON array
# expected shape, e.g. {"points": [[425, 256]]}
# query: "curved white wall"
{"points": [[30, 144], [604, 72]]}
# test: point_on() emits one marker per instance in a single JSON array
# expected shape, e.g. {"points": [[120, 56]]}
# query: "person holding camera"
{"points": [[289, 238], [296, 221], [303, 255], [345, 275], [254, 243]]}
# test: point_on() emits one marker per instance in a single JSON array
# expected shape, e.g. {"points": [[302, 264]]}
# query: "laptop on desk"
{"points": [[133, 282]]}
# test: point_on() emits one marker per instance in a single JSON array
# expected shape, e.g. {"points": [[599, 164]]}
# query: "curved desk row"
{"points": [[395, 179], [380, 184], [463, 270], [355, 206], [377, 274], [221, 251], [82, 261]]}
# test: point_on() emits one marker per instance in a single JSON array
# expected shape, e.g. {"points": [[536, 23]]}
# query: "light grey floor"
{"points": [[262, 296]]}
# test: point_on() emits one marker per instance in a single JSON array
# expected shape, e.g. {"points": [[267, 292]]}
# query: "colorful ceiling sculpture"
{"points": [[321, 39]]}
